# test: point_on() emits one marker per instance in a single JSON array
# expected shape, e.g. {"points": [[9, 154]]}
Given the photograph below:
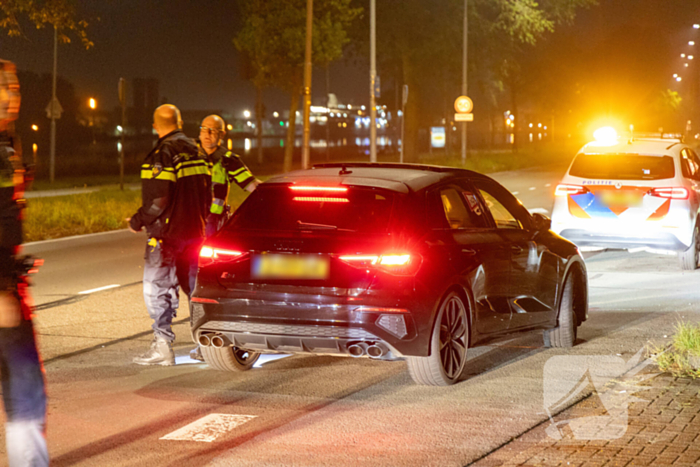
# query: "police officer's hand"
{"points": [[252, 185], [128, 222], [10, 310]]}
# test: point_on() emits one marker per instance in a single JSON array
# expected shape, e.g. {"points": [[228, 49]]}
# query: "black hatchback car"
{"points": [[383, 261]]}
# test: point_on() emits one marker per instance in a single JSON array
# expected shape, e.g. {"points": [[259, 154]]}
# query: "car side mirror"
{"points": [[540, 222]]}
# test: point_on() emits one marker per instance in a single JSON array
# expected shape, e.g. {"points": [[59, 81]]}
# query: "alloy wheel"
{"points": [[453, 337]]}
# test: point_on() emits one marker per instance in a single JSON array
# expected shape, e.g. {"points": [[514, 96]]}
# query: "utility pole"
{"points": [[372, 80], [52, 159], [122, 101], [464, 80], [306, 155]]}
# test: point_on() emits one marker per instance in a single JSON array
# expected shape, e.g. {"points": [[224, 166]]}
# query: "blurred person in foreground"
{"points": [[176, 195], [21, 370], [226, 168]]}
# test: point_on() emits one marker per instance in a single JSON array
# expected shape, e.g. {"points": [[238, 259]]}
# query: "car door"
{"points": [[534, 270], [690, 167], [475, 251]]}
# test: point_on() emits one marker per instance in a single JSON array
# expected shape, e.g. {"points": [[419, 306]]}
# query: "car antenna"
{"points": [[344, 170]]}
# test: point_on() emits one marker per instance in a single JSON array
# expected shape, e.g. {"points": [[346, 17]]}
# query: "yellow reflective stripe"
{"points": [[242, 176], [233, 173], [217, 207], [164, 175], [194, 170]]}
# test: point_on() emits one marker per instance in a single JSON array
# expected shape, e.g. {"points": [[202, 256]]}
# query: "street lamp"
{"points": [[92, 103], [246, 113]]}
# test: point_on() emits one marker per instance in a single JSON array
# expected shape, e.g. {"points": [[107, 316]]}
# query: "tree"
{"points": [[57, 13], [422, 40], [273, 36]]}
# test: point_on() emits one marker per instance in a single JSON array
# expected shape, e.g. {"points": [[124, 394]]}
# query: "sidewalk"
{"points": [[76, 191], [663, 428]]}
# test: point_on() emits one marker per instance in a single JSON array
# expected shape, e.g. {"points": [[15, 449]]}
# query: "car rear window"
{"points": [[277, 207], [622, 167]]}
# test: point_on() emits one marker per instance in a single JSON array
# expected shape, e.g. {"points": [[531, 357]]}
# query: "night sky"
{"points": [[188, 46]]}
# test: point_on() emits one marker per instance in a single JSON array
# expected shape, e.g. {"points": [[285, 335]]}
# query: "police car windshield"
{"points": [[277, 207], [622, 167]]}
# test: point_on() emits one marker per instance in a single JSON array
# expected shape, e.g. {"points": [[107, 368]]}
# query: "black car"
{"points": [[385, 261]]}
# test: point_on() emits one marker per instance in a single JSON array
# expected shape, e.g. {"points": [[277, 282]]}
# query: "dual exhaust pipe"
{"points": [[215, 340], [360, 349]]}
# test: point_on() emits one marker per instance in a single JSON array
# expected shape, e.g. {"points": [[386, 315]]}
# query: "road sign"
{"points": [[463, 105], [54, 109], [464, 117], [437, 136]]}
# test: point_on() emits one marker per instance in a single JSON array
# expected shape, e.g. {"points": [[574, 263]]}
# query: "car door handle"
{"points": [[468, 251], [516, 249]]}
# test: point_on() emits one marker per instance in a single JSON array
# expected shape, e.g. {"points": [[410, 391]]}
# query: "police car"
{"points": [[634, 194]]}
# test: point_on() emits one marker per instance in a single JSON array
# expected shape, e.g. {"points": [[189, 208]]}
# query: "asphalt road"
{"points": [[306, 410]]}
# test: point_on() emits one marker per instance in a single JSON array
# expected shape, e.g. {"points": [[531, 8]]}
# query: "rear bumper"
{"points": [[656, 241], [294, 326]]}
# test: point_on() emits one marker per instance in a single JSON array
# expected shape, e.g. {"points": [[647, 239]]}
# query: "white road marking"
{"points": [[548, 185], [99, 289], [207, 429], [532, 188], [538, 210]]}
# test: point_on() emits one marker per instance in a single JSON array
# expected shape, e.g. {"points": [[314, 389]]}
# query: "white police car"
{"points": [[635, 194]]}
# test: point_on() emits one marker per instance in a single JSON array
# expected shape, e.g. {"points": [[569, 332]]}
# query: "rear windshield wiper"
{"points": [[311, 226]]}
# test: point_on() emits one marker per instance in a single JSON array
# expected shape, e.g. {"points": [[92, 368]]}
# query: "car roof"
{"points": [[647, 146], [401, 178]]}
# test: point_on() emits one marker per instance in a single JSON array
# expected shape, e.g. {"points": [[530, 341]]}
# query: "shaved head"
{"points": [[211, 133], [166, 119]]}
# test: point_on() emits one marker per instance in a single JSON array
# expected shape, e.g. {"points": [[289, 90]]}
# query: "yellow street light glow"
{"points": [[92, 103], [35, 128], [229, 127], [530, 125], [690, 57], [34, 147], [275, 114], [686, 65], [682, 55], [246, 113], [675, 75], [539, 125], [679, 79]]}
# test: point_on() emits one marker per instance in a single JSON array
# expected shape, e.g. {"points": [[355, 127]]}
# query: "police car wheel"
{"points": [[689, 258], [229, 358]]}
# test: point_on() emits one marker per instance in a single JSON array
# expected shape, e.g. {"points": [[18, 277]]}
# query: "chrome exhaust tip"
{"points": [[217, 341], [356, 350], [376, 351], [204, 340]]}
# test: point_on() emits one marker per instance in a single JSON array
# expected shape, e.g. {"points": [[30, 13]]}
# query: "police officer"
{"points": [[176, 196], [23, 391], [226, 168]]}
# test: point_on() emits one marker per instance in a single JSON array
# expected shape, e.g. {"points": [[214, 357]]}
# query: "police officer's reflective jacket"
{"points": [[226, 168], [176, 190], [11, 193]]}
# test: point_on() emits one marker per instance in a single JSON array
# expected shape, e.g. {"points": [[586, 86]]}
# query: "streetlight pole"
{"points": [[52, 157], [464, 80], [372, 80], [306, 151]]}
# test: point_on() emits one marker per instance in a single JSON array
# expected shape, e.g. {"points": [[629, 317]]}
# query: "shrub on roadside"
{"points": [[682, 358]]}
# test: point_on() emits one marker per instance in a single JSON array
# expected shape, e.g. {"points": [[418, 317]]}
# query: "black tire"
{"points": [[689, 258], [229, 358], [564, 335], [448, 346]]}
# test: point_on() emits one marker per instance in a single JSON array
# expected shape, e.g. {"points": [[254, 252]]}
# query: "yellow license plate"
{"points": [[274, 266], [622, 198]]}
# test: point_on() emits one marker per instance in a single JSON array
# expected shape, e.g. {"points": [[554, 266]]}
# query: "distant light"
{"points": [[696, 26], [332, 114], [539, 125], [512, 117], [92, 103], [686, 65], [119, 128], [275, 114], [682, 55], [363, 107], [545, 127], [246, 114], [249, 123], [119, 146], [675, 75], [530, 125], [281, 123], [349, 106], [691, 42], [690, 57], [679, 79], [229, 127], [34, 147], [35, 128], [229, 144]]}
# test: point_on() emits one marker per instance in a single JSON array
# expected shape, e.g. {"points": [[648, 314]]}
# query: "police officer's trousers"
{"points": [[24, 397], [169, 266]]}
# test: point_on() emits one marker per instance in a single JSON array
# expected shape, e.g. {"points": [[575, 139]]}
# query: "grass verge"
{"points": [[682, 358]]}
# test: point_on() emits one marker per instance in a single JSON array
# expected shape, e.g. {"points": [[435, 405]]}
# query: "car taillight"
{"points": [[670, 193], [209, 255], [327, 189], [563, 190], [401, 264], [320, 199]]}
